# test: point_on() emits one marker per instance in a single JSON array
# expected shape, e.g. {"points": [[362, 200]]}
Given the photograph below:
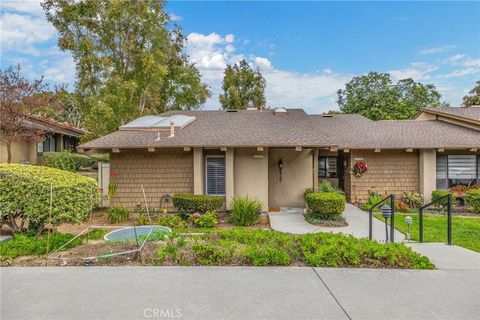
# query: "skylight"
{"points": [[157, 122]]}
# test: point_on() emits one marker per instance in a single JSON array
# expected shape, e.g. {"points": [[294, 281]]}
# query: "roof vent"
{"points": [[280, 111], [252, 109], [231, 110], [327, 115]]}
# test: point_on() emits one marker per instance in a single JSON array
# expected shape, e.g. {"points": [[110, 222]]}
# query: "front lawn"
{"points": [[465, 230]]}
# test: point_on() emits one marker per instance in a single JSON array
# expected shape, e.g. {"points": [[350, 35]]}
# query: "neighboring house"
{"points": [[58, 136], [273, 155]]}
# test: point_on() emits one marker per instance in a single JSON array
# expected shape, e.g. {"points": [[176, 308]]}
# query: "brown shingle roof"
{"points": [[467, 113], [296, 128]]}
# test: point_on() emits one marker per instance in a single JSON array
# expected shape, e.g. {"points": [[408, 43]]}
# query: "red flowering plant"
{"points": [[359, 168]]}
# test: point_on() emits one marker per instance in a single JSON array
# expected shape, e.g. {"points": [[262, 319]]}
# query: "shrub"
{"points": [[143, 220], [67, 161], [440, 200], [326, 205], [206, 220], [244, 211], [172, 221], [25, 196], [308, 191], [101, 157], [472, 198], [326, 186], [373, 199], [22, 245], [117, 214], [197, 202], [412, 199]]}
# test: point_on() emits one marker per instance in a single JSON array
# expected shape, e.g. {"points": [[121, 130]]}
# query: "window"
{"points": [[48, 145], [327, 167], [457, 169], [215, 175]]}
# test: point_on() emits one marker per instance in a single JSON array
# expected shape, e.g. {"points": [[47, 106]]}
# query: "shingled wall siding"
{"points": [[163, 171], [389, 171]]}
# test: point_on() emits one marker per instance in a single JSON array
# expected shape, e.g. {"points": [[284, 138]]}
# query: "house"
{"points": [[57, 136], [274, 154]]}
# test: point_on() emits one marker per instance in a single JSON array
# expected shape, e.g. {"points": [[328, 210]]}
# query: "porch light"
{"points": [[408, 221], [386, 213]]}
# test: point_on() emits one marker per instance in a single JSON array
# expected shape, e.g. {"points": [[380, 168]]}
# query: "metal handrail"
{"points": [[392, 219], [449, 217]]}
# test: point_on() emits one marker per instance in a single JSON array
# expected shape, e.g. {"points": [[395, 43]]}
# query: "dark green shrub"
{"points": [[472, 198], [326, 205], [244, 211], [197, 202], [439, 197], [67, 161], [206, 220], [117, 214], [101, 157], [25, 196], [172, 221], [22, 245], [307, 191]]}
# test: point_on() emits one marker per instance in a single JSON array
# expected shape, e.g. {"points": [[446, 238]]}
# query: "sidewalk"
{"points": [[237, 293], [291, 220]]}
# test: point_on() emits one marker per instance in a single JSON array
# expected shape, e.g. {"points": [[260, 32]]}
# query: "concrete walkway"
{"points": [[291, 220], [237, 293], [447, 257]]}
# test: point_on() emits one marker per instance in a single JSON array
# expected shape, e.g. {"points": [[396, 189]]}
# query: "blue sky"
{"points": [[306, 50]]}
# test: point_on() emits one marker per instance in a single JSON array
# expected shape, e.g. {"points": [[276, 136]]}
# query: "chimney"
{"points": [[172, 129]]}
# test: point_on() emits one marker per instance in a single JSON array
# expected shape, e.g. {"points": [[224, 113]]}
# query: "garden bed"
{"points": [[245, 247]]}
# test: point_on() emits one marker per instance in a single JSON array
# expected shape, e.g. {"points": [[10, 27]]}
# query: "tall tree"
{"points": [[129, 61], [242, 87], [473, 96], [19, 99], [375, 96]]}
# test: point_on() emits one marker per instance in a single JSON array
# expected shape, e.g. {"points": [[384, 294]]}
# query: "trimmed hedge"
{"points": [[326, 205], [67, 161], [472, 198], [25, 196], [197, 202]]}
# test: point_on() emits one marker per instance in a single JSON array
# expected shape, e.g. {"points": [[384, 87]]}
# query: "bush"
{"points": [[197, 202], [206, 220], [25, 196], [440, 200], [117, 214], [244, 211], [22, 245], [172, 221], [412, 199], [101, 157], [326, 186], [143, 220], [326, 205], [472, 198], [67, 161], [373, 199]]}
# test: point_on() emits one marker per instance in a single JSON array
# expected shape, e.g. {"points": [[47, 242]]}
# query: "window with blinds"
{"points": [[215, 175], [327, 167], [457, 169]]}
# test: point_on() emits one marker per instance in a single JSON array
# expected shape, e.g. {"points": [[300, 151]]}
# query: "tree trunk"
{"points": [[9, 152]]}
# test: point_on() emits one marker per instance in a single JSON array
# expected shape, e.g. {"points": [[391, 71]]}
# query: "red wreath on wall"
{"points": [[359, 168]]}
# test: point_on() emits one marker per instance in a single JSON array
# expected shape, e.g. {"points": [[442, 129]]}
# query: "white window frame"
{"points": [[206, 172]]}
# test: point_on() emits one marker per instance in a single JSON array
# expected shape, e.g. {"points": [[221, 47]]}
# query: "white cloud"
{"points": [[459, 73], [21, 32], [229, 38], [263, 63], [30, 7], [416, 71], [434, 50], [174, 17]]}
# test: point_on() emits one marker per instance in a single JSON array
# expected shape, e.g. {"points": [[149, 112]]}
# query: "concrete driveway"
{"points": [[237, 293]]}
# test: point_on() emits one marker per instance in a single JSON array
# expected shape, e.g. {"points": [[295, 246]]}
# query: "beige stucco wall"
{"points": [[427, 173], [163, 171], [198, 171], [389, 171], [296, 176], [251, 174], [20, 151]]}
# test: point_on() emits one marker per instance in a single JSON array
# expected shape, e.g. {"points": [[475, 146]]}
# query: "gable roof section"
{"points": [[469, 114], [296, 128]]}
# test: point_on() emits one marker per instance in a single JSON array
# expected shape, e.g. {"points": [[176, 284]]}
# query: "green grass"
{"points": [[465, 230]]}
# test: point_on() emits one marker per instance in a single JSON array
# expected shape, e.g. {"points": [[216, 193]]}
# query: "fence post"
{"points": [[420, 223], [449, 218], [392, 219], [370, 214]]}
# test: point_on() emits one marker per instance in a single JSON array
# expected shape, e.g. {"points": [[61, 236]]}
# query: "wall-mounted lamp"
{"points": [[280, 166]]}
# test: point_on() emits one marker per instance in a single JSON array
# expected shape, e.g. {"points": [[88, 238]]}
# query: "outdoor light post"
{"points": [[408, 221], [386, 213]]}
